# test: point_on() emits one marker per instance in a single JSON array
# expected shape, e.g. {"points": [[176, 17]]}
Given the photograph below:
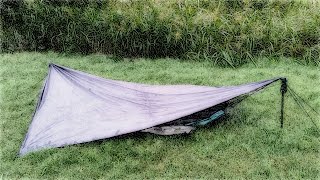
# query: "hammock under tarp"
{"points": [[76, 107]]}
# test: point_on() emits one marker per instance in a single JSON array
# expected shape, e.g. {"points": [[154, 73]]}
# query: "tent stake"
{"points": [[283, 90]]}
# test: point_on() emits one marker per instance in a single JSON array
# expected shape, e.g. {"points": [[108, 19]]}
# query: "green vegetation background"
{"points": [[248, 144], [227, 32]]}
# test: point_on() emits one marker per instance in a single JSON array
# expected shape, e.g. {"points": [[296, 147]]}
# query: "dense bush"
{"points": [[227, 32]]}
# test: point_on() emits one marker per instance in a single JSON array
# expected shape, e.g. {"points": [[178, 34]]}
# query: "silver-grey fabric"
{"points": [[169, 130], [76, 107]]}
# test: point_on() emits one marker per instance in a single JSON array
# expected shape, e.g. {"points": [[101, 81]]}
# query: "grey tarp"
{"points": [[76, 107]]}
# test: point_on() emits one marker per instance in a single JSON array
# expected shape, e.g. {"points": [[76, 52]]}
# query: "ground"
{"points": [[247, 144]]}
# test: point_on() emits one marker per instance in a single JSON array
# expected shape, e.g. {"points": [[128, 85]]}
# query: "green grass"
{"points": [[248, 144], [227, 32]]}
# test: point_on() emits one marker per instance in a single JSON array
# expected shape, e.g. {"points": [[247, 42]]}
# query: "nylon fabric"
{"points": [[76, 107]]}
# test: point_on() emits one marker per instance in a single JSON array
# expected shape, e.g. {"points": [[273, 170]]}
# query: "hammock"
{"points": [[76, 107]]}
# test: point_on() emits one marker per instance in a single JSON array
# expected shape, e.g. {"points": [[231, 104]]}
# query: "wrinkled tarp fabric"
{"points": [[76, 107]]}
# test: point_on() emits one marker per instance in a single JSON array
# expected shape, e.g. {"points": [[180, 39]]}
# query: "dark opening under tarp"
{"points": [[76, 107]]}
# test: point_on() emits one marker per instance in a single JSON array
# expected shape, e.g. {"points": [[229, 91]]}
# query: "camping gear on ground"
{"points": [[76, 107]]}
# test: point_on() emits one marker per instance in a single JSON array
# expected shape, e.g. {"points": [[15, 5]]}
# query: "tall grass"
{"points": [[227, 32]]}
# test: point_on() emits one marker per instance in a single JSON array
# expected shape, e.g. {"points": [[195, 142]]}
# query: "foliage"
{"points": [[227, 32]]}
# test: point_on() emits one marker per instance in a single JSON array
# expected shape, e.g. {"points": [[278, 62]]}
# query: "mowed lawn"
{"points": [[249, 143]]}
